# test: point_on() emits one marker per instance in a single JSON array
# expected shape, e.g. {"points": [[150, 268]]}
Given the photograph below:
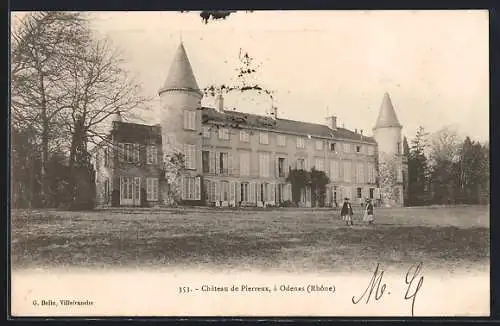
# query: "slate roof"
{"points": [[387, 116], [180, 75], [134, 132], [238, 119]]}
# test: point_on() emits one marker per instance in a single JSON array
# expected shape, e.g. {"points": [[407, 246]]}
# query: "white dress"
{"points": [[366, 217]]}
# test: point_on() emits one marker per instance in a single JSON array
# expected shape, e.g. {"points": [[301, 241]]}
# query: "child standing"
{"points": [[368, 216], [346, 212]]}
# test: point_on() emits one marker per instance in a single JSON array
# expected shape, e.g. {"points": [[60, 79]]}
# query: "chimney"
{"points": [[220, 103], [331, 121], [117, 117], [275, 113], [356, 130]]}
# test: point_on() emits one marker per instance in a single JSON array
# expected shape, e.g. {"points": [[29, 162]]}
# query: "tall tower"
{"points": [[387, 133], [180, 121]]}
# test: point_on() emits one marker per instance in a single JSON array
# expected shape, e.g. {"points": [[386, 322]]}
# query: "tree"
{"points": [[66, 81], [388, 176], [41, 46], [245, 82], [319, 181], [300, 180], [172, 172], [474, 171], [418, 169], [445, 159]]}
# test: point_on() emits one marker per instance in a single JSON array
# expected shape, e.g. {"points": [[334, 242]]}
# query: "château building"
{"points": [[233, 158]]}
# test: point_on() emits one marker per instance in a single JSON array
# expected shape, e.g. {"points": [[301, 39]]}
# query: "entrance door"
{"points": [[130, 191]]}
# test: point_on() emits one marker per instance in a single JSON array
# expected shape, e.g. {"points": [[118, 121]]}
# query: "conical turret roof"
{"points": [[387, 116], [180, 75]]}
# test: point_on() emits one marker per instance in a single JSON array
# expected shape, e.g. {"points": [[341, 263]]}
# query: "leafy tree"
{"points": [[474, 171], [300, 180], [173, 166], [388, 170], [319, 181]]}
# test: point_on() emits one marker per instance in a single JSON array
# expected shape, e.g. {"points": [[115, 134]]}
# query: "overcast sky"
{"points": [[434, 64]]}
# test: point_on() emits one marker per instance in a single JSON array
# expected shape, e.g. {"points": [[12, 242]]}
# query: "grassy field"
{"points": [[286, 239]]}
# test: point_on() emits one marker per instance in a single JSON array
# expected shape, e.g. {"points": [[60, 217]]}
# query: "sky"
{"points": [[434, 64]]}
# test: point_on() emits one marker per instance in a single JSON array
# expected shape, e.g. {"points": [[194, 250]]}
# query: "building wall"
{"points": [[118, 168], [346, 184]]}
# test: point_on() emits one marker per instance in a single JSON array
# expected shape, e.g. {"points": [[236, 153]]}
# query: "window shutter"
{"points": [[276, 168], [251, 192], [197, 192], [232, 194], [230, 163], [286, 167], [194, 156], [272, 190], [259, 193], [155, 189], [217, 162], [271, 164], [236, 164], [120, 152], [217, 190], [213, 191], [307, 164], [183, 187], [237, 190], [211, 161]]}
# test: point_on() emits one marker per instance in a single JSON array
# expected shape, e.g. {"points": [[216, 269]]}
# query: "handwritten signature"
{"points": [[377, 288]]}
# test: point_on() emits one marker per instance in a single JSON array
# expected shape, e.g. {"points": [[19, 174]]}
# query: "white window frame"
{"points": [[244, 164], [301, 142], [189, 120], [152, 185], [319, 145], [303, 165], [190, 156], [224, 133], [244, 136], [319, 164], [281, 140], [264, 138], [191, 188], [151, 154], [264, 165], [347, 147], [206, 132], [130, 191], [131, 152]]}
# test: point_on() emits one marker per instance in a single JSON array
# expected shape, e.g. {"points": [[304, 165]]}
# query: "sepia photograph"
{"points": [[250, 163]]}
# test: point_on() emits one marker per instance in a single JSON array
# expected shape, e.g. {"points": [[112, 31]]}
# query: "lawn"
{"points": [[281, 239]]}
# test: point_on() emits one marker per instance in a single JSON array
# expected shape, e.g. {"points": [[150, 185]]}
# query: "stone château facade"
{"points": [[233, 158]]}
